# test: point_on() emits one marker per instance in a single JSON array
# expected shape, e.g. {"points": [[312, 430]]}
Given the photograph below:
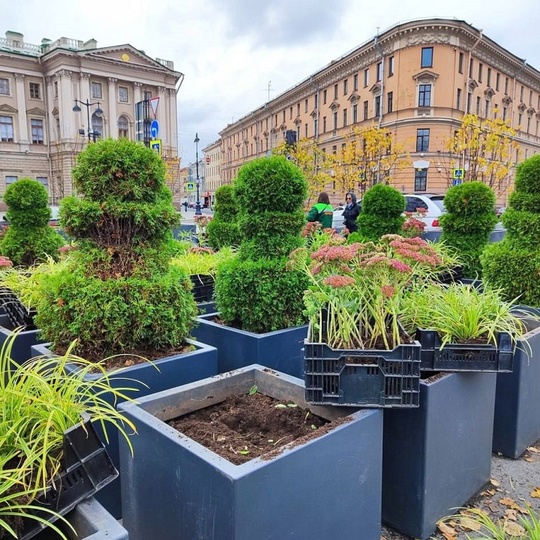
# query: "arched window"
{"points": [[97, 126], [123, 127]]}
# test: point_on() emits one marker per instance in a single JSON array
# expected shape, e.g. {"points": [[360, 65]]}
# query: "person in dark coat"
{"points": [[351, 212]]}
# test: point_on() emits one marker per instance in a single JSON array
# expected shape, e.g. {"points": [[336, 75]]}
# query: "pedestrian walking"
{"points": [[351, 212], [322, 211]]}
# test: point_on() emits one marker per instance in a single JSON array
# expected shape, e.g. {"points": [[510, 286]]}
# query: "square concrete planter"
{"points": [[173, 487], [517, 399], [91, 522], [147, 378], [281, 350], [21, 349], [436, 457]]}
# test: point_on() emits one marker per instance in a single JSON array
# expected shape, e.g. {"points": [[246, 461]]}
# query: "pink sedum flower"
{"points": [[338, 281]]}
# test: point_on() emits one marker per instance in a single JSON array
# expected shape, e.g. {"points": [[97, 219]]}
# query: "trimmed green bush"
{"points": [[382, 213], [469, 220], [223, 230], [256, 291], [513, 264], [29, 239], [118, 292]]}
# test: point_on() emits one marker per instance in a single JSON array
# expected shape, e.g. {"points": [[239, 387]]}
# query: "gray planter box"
{"points": [[436, 457], [21, 349], [145, 379], [517, 400], [173, 487], [281, 350], [91, 522]]}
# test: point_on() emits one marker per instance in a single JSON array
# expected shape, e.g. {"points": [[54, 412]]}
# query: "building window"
{"points": [[390, 66], [378, 110], [43, 180], [355, 81], [123, 127], [55, 87], [335, 91], [488, 81], [11, 180], [324, 97], [35, 90], [379, 71], [366, 105], [458, 99], [505, 110], [335, 121], [345, 123], [306, 131], [422, 140], [420, 179], [6, 128], [97, 92], [37, 131], [298, 109], [471, 66], [427, 57], [478, 101], [123, 94], [497, 81], [480, 69], [390, 105], [424, 95], [306, 105], [324, 124], [4, 87], [487, 108], [355, 113], [97, 126], [506, 85], [366, 77], [469, 98], [345, 87], [460, 62]]}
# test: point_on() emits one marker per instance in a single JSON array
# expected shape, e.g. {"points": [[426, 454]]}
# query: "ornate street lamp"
{"points": [[92, 135], [198, 211]]}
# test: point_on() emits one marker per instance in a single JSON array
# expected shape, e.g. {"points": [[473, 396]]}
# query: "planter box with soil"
{"points": [[317, 488], [436, 457], [281, 350]]}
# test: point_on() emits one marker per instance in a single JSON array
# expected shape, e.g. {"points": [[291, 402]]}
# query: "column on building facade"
{"points": [[161, 117], [21, 108], [65, 102], [113, 120], [138, 92]]}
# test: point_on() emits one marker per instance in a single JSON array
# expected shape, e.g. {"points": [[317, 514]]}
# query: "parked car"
{"points": [[337, 220], [431, 203]]}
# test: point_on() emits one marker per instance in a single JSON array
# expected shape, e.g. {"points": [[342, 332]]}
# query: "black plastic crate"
{"points": [[362, 378], [87, 468], [465, 357], [203, 287], [16, 311]]}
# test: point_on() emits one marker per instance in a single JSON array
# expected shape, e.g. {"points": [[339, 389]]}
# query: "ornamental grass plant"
{"points": [[354, 299]]}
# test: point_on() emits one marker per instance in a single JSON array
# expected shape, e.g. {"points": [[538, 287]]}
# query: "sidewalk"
{"points": [[513, 484]]}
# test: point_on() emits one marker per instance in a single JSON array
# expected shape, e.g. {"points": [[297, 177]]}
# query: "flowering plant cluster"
{"points": [[355, 294], [413, 225]]}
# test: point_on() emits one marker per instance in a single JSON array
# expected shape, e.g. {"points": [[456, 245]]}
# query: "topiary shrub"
{"points": [[117, 292], [223, 230], [513, 264], [255, 291], [29, 239], [382, 213], [467, 223]]}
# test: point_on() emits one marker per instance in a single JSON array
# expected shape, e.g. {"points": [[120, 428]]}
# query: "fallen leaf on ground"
{"points": [[514, 529], [533, 449], [507, 501], [511, 514], [470, 524], [494, 482], [448, 532], [536, 493]]}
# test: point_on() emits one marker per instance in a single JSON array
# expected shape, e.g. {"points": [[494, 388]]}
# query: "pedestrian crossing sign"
{"points": [[190, 186]]}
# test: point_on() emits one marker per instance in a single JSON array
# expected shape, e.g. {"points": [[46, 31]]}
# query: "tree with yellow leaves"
{"points": [[312, 161], [485, 150], [370, 156]]}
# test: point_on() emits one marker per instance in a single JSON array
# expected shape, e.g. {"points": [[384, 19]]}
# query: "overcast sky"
{"points": [[235, 54]]}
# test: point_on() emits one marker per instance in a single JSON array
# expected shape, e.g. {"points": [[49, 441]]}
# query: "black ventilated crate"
{"points": [[203, 287], [465, 357], [87, 468], [17, 313], [362, 378]]}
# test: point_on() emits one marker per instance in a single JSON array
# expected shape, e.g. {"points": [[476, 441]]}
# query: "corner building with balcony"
{"points": [[114, 88], [417, 79]]}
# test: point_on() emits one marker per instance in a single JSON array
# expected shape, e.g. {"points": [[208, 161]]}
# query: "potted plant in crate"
{"points": [[513, 265], [258, 298], [318, 488], [356, 351], [50, 454], [118, 295]]}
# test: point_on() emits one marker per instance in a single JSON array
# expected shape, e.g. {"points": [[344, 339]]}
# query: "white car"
{"points": [[431, 203], [337, 220]]}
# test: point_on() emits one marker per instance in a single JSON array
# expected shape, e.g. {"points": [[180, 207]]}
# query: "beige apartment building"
{"points": [[59, 96], [212, 180], [416, 79]]}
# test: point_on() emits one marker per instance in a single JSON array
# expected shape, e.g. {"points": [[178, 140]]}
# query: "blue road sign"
{"points": [[154, 129]]}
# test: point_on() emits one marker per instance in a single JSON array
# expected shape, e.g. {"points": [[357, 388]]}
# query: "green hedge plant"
{"points": [[29, 238], [255, 291], [513, 264], [223, 230], [118, 293], [469, 220]]}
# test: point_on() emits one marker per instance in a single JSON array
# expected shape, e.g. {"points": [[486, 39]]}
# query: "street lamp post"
{"points": [[91, 133], [198, 211]]}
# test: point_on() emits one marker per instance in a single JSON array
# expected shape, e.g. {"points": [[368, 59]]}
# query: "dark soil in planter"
{"points": [[244, 427]]}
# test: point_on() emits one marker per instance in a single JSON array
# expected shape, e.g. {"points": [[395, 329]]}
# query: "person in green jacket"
{"points": [[322, 211]]}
